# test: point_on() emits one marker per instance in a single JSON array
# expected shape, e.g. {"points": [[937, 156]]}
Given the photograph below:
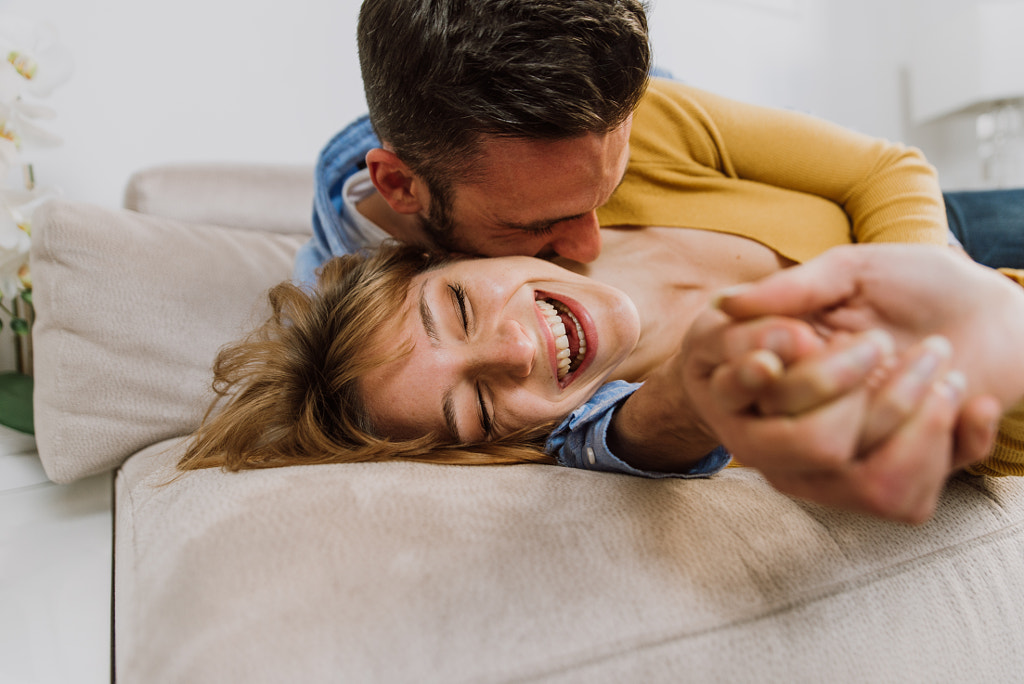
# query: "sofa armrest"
{"points": [[270, 197]]}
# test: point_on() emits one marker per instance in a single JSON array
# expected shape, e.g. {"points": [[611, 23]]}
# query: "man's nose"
{"points": [[579, 239], [508, 350]]}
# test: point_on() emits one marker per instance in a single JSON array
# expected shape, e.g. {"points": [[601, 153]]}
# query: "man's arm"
{"points": [[821, 423], [913, 292]]}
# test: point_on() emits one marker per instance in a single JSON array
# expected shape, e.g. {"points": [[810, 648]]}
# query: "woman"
{"points": [[406, 355]]}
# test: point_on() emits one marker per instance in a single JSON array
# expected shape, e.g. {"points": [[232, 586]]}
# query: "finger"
{"points": [[899, 480], [905, 476], [811, 382], [907, 386], [736, 386], [818, 284], [823, 439], [976, 431], [789, 339]]}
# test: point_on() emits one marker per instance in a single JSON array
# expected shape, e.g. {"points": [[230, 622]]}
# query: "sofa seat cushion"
{"points": [[402, 572]]}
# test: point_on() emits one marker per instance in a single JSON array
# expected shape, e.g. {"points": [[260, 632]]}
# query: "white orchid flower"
{"points": [[35, 56], [17, 125], [14, 247], [16, 209], [32, 63], [9, 155]]}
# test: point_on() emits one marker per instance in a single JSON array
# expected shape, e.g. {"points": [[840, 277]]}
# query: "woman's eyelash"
{"points": [[459, 298], [458, 293], [485, 418]]}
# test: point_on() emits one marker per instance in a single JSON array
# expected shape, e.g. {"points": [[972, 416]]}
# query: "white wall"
{"points": [[194, 80], [832, 58]]}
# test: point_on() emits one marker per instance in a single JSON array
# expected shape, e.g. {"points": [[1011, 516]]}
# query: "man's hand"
{"points": [[846, 425], [913, 430], [911, 291]]}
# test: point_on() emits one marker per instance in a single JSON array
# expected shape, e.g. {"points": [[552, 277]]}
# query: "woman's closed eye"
{"points": [[458, 294], [459, 302], [485, 418]]}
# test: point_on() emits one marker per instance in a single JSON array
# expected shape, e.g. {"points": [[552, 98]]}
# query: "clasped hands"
{"points": [[864, 378]]}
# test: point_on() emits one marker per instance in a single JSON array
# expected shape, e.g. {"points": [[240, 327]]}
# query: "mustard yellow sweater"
{"points": [[795, 183]]}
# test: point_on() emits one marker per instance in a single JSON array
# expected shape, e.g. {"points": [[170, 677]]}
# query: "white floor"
{"points": [[55, 572]]}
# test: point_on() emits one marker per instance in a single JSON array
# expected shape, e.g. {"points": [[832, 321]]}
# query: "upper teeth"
{"points": [[550, 311]]}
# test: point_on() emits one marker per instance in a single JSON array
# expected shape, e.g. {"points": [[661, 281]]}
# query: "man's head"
{"points": [[456, 87]]}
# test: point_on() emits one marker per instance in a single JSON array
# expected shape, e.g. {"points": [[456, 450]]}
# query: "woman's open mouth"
{"points": [[570, 340]]}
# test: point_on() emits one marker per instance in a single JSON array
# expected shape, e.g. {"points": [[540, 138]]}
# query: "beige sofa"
{"points": [[401, 572]]}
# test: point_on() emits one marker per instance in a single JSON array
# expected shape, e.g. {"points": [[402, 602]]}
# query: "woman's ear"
{"points": [[395, 181]]}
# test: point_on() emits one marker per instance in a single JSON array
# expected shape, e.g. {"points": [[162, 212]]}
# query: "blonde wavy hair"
{"points": [[289, 392]]}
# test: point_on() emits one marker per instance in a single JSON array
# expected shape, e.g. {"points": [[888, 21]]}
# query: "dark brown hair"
{"points": [[441, 74]]}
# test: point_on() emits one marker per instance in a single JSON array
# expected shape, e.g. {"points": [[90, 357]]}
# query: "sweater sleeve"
{"points": [[771, 174], [888, 190], [1007, 457]]}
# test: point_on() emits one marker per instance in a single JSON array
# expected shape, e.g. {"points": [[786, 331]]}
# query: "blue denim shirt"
{"points": [[581, 440], [334, 233]]}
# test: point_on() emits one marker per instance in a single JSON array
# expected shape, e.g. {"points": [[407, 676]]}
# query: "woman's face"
{"points": [[497, 345]]}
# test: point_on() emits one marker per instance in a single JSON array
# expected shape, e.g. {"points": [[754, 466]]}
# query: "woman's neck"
{"points": [[671, 274]]}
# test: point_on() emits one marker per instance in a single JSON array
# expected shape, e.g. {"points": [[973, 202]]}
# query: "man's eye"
{"points": [[541, 230], [459, 301]]}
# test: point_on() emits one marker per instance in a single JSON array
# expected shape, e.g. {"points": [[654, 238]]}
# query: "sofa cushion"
{"points": [[130, 312], [403, 572], [271, 197]]}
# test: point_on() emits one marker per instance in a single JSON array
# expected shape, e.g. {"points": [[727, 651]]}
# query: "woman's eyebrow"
{"points": [[427, 316], [447, 401]]}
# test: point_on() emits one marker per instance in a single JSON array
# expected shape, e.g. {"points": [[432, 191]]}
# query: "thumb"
{"points": [[822, 283]]}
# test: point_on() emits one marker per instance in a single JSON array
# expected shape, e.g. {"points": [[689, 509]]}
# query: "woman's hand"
{"points": [[849, 424], [913, 292], [846, 424]]}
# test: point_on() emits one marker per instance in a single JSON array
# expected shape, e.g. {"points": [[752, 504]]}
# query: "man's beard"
{"points": [[439, 224]]}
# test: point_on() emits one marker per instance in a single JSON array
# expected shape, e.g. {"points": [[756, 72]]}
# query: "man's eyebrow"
{"points": [[427, 316]]}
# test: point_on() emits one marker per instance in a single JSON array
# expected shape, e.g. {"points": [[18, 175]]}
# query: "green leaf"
{"points": [[20, 326], [26, 296]]}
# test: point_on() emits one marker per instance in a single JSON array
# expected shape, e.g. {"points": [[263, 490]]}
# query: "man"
{"points": [[523, 126]]}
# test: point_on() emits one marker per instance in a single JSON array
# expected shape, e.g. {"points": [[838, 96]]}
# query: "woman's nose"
{"points": [[508, 350]]}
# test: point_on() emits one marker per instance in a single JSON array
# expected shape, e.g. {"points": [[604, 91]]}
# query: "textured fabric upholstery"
{"points": [[401, 572], [131, 310]]}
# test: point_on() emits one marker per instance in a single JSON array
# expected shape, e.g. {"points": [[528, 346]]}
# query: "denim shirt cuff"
{"points": [[581, 440]]}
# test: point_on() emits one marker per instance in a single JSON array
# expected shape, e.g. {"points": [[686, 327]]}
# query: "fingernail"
{"points": [[883, 340], [937, 350], [940, 345], [864, 355], [770, 367], [954, 385], [726, 293]]}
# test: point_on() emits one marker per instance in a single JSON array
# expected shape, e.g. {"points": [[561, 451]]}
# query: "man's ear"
{"points": [[395, 181]]}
